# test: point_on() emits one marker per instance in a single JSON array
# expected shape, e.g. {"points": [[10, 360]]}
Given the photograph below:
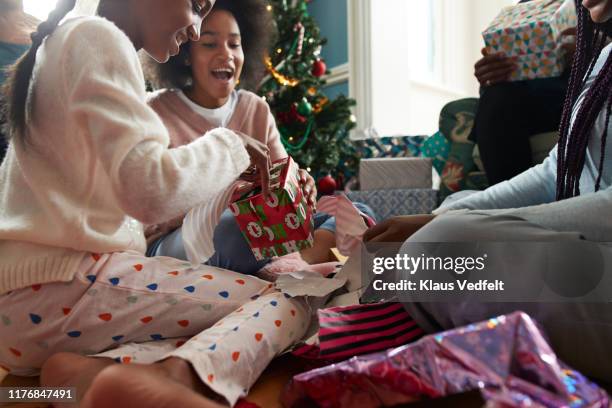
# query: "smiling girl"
{"points": [[73, 197]]}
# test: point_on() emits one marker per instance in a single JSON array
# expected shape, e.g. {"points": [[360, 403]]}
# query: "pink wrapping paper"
{"points": [[506, 358]]}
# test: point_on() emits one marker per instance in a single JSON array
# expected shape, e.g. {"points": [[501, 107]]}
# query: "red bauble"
{"points": [[326, 185], [319, 68]]}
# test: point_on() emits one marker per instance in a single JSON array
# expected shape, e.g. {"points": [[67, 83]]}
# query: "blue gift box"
{"points": [[391, 203]]}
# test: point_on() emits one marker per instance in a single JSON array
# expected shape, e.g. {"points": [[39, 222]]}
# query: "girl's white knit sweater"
{"points": [[96, 163]]}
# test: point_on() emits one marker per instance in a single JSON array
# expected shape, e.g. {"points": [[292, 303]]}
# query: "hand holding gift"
{"points": [[279, 223], [532, 33]]}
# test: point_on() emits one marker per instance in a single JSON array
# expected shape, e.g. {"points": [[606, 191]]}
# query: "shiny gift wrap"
{"points": [[531, 32], [281, 224], [507, 359]]}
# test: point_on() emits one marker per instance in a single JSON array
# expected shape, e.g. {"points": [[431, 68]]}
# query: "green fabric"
{"points": [[9, 53], [456, 122]]}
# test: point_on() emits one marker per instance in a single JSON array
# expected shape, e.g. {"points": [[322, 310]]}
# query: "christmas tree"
{"points": [[313, 128]]}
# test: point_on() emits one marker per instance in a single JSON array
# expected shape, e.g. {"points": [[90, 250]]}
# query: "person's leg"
{"points": [[501, 130], [568, 325], [232, 252]]}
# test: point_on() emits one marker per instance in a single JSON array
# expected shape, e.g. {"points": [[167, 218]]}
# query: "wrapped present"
{"points": [[506, 359], [531, 32], [283, 223], [390, 203], [395, 173]]}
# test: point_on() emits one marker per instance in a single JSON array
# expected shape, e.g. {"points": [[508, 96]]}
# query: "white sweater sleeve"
{"points": [[107, 99]]}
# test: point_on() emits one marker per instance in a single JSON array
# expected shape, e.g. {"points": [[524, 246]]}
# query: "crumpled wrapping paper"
{"points": [[506, 358]]}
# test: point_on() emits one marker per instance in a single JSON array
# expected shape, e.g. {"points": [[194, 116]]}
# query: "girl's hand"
{"points": [[308, 187], [397, 229], [492, 69], [260, 158]]}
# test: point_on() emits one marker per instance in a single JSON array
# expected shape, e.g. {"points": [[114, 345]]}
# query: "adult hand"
{"points": [[308, 187], [260, 158], [492, 69], [397, 229], [569, 45]]}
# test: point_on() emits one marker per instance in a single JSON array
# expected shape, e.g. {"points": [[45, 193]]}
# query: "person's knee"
{"points": [[448, 228]]}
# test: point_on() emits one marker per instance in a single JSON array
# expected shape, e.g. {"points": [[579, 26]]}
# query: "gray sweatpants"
{"points": [[580, 333]]}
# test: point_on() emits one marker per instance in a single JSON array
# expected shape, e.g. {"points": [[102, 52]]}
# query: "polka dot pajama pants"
{"points": [[131, 308]]}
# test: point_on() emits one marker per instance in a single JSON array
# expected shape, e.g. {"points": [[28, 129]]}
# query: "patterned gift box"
{"points": [[283, 223], [531, 32], [395, 173], [391, 203]]}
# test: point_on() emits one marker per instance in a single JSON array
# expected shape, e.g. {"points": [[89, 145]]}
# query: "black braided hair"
{"points": [[590, 41], [20, 73]]}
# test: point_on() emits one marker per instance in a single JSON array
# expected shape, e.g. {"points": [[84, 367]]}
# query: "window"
{"points": [[410, 57]]}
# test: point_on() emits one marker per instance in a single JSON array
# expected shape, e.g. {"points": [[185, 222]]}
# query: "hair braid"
{"points": [[21, 72], [575, 134]]}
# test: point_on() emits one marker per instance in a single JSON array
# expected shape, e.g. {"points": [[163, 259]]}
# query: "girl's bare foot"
{"points": [[100, 382], [137, 385], [72, 370]]}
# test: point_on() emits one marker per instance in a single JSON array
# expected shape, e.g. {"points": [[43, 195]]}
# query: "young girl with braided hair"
{"points": [[568, 198], [88, 163]]}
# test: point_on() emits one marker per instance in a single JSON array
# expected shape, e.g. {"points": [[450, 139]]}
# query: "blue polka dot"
{"points": [[152, 286], [254, 297], [213, 347], [287, 296], [274, 303], [36, 319], [157, 337], [114, 281], [236, 328], [74, 334], [92, 278], [117, 338], [117, 359], [224, 294], [256, 314], [190, 289]]}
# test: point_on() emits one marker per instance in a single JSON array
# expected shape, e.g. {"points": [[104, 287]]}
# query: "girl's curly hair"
{"points": [[256, 30]]}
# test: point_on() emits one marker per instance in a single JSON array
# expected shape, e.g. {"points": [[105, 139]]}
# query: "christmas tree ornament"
{"points": [[326, 185], [282, 79], [319, 106], [319, 68], [304, 108], [299, 28]]}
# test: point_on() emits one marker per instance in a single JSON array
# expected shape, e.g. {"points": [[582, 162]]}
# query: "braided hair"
{"points": [[590, 41], [20, 74]]}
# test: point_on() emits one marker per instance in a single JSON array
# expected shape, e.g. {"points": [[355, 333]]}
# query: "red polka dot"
{"points": [[146, 319], [96, 257], [278, 323], [209, 277], [106, 317], [173, 273], [180, 343], [138, 267], [292, 312], [36, 288], [235, 355], [126, 360], [66, 310], [211, 377], [258, 336], [183, 323], [240, 281], [15, 351]]}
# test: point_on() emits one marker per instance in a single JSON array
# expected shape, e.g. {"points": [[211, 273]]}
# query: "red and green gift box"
{"points": [[280, 224]]}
